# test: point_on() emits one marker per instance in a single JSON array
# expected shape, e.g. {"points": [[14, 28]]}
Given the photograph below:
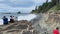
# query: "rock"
{"points": [[27, 32], [22, 26], [16, 28]]}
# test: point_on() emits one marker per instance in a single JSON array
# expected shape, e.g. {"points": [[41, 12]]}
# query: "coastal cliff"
{"points": [[47, 22]]}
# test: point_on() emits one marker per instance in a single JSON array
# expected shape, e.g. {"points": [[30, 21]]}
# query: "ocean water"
{"points": [[19, 17]]}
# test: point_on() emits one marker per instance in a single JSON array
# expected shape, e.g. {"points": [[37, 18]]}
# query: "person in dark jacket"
{"points": [[11, 19], [5, 20]]}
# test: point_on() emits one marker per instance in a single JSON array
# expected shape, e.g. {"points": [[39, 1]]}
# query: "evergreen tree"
{"points": [[46, 6], [54, 2], [46, 1]]}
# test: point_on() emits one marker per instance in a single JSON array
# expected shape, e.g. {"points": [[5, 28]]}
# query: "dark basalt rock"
{"points": [[22, 26], [13, 31], [28, 32]]}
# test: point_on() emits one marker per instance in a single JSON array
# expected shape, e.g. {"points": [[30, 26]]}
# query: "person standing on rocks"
{"points": [[11, 19], [56, 31], [5, 20]]}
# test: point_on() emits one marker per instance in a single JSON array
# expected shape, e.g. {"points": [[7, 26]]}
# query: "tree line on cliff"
{"points": [[46, 6]]}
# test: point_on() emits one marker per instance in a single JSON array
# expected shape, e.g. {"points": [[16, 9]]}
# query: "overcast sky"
{"points": [[25, 6]]}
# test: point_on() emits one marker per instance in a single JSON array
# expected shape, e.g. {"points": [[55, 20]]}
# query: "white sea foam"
{"points": [[21, 17], [27, 17], [1, 22]]}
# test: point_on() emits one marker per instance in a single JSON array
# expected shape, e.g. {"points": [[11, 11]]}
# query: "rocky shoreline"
{"points": [[20, 27], [42, 24]]}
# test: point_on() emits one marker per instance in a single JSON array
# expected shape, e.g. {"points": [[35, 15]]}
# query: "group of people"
{"points": [[12, 19]]}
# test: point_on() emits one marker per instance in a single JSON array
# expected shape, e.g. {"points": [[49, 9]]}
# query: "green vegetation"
{"points": [[55, 8], [58, 7], [47, 6]]}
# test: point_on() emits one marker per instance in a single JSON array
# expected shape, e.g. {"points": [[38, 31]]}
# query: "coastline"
{"points": [[6, 29], [19, 27], [28, 17], [36, 24]]}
